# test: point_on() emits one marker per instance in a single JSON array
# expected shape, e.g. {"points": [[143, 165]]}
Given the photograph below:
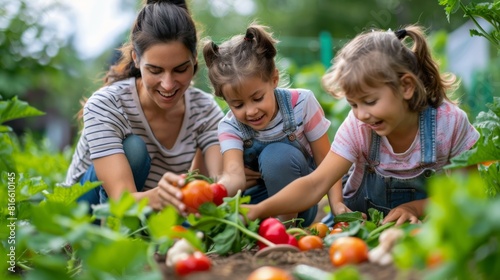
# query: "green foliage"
{"points": [[486, 149], [462, 232], [486, 10]]}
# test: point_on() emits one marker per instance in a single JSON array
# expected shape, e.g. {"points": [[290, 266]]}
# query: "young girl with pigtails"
{"points": [[402, 129], [271, 135]]}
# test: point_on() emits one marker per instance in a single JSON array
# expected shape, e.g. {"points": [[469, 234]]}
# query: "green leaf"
{"points": [[119, 257], [348, 217], [160, 223], [16, 109], [70, 194]]}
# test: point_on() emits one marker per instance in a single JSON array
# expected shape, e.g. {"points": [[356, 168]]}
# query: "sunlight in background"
{"points": [[98, 23]]}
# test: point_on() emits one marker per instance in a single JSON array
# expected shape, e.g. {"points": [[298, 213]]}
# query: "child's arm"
{"points": [[233, 174], [304, 192]]}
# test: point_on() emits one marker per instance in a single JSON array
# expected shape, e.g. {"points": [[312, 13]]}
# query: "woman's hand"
{"points": [[169, 192], [251, 177]]}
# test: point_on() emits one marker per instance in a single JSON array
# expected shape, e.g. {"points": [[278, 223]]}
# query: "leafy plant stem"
{"points": [[485, 34], [243, 229], [374, 233]]}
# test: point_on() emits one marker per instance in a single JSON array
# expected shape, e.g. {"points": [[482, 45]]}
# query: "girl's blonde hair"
{"points": [[241, 57], [379, 57]]}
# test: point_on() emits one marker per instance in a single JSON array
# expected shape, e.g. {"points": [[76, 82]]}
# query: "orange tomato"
{"points": [[310, 242], [195, 193], [348, 250], [488, 163], [270, 273], [320, 228], [336, 230], [434, 259]]}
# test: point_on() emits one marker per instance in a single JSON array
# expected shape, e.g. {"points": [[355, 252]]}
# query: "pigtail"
{"points": [[436, 85], [210, 53], [263, 42]]}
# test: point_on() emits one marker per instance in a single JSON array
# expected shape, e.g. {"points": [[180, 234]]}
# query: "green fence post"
{"points": [[326, 48]]}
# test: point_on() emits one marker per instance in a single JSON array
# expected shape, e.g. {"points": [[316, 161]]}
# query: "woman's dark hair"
{"points": [[159, 21]]}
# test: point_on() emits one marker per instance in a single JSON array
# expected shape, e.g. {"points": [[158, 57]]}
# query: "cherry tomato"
{"points": [[341, 225], [274, 232], [195, 193], [292, 241], [219, 192], [348, 250], [269, 273], [310, 242], [194, 263], [320, 228], [177, 231], [336, 230], [434, 259]]}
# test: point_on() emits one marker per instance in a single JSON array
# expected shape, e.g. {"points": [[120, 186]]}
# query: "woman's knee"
{"points": [[136, 151]]}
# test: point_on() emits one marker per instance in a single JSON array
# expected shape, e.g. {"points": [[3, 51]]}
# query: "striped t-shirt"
{"points": [[114, 111], [454, 135], [309, 117]]}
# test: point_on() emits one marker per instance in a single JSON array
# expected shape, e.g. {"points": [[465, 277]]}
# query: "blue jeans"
{"points": [[140, 163], [279, 164]]}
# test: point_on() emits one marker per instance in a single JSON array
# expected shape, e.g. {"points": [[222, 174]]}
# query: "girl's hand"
{"points": [[169, 192], [403, 213], [251, 177]]}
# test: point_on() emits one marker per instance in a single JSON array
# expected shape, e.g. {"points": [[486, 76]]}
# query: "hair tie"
{"points": [[401, 33], [248, 37], [215, 47]]}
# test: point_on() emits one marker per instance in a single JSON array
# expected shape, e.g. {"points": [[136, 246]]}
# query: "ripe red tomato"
{"points": [[310, 242], [195, 263], [195, 193], [269, 273], [219, 192], [348, 250], [320, 228], [341, 225]]}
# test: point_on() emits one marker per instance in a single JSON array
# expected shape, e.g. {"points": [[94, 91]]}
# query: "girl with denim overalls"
{"points": [[401, 130], [271, 136]]}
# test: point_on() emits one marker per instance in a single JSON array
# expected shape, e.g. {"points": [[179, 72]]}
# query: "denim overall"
{"points": [[385, 193], [137, 155], [279, 162]]}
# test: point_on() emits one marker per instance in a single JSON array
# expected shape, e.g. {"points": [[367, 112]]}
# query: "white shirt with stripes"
{"points": [[114, 111]]}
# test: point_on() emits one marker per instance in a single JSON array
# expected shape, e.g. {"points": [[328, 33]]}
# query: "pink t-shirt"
{"points": [[454, 135]]}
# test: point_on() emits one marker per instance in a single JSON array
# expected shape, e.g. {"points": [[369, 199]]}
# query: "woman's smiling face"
{"points": [[167, 70], [252, 101]]}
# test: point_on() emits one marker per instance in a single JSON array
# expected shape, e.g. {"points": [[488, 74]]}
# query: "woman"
{"points": [[144, 126]]}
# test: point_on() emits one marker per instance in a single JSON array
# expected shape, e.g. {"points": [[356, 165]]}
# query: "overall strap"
{"points": [[428, 135], [374, 156], [284, 98]]}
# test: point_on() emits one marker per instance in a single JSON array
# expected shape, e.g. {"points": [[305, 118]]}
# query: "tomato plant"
{"points": [[310, 242], [219, 192], [195, 193], [194, 263], [348, 250], [269, 273], [320, 229]]}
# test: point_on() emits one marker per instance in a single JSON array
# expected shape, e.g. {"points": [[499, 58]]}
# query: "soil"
{"points": [[241, 265]]}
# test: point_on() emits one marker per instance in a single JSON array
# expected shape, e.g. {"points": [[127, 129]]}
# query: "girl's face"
{"points": [[383, 110], [167, 70], [253, 103]]}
